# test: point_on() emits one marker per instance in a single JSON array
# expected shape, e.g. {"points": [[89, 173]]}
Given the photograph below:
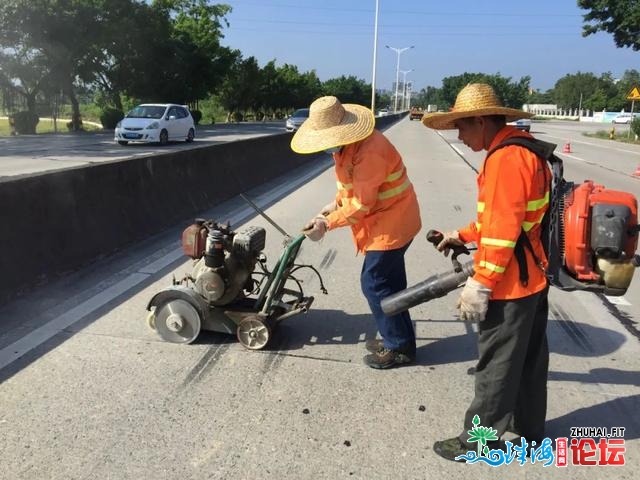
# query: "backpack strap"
{"points": [[544, 151]]}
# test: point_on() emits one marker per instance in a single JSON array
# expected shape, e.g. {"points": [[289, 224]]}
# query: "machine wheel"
{"points": [[177, 321], [253, 332], [123, 142], [191, 135], [151, 320]]}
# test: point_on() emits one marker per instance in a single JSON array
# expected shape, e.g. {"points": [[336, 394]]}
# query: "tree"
{"points": [[348, 89], [512, 94], [619, 17]]}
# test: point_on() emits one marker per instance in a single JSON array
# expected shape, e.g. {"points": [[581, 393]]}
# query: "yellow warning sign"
{"points": [[634, 94]]}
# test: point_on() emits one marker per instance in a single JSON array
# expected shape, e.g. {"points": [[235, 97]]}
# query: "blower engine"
{"points": [[593, 237], [225, 259]]}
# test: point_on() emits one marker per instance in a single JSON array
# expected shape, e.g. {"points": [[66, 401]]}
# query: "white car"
{"points": [[522, 124], [156, 123], [624, 118], [383, 112]]}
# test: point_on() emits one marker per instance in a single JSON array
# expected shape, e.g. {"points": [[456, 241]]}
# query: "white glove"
{"points": [[328, 208], [316, 228], [451, 239], [474, 301]]}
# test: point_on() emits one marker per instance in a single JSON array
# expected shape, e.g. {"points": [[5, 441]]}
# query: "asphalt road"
{"points": [[89, 391], [27, 154]]}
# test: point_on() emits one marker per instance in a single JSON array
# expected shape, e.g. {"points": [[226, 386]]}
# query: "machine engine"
{"points": [[599, 237], [224, 259]]}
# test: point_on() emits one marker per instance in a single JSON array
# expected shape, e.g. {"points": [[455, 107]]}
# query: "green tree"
{"points": [[618, 17], [240, 89], [512, 94], [348, 89]]}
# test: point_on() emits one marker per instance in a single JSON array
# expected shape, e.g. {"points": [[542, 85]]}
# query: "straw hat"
{"points": [[474, 100], [332, 124]]}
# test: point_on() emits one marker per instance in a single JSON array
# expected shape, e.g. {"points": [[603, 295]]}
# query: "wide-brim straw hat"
{"points": [[474, 100], [332, 124]]}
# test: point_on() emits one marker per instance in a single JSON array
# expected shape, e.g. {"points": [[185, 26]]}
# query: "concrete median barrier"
{"points": [[58, 222]]}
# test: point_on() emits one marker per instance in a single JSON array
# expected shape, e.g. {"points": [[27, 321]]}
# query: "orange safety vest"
{"points": [[513, 195], [375, 197]]}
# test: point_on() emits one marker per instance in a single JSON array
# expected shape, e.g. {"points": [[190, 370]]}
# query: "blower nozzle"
{"points": [[435, 286]]}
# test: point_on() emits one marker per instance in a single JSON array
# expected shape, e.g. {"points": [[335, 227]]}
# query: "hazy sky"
{"points": [[539, 38]]}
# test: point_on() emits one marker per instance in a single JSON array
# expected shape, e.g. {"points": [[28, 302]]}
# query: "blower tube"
{"points": [[435, 286]]}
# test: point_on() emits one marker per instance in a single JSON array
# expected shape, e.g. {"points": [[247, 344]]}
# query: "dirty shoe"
{"points": [[374, 345], [450, 449], [385, 358]]}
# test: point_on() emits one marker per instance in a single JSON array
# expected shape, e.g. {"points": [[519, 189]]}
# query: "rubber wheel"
{"points": [[253, 333], [164, 137], [151, 320], [190, 136], [123, 143]]}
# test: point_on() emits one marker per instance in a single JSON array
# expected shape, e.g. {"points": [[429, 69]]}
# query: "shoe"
{"points": [[450, 449], [385, 358], [374, 345]]}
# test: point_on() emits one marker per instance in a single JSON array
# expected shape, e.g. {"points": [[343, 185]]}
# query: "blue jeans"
{"points": [[383, 273]]}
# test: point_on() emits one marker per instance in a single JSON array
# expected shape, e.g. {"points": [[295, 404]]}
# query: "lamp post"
{"points": [[375, 50], [399, 52], [404, 87]]}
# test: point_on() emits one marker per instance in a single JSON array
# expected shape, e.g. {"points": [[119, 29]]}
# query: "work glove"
{"points": [[451, 239], [316, 228], [474, 301], [328, 208]]}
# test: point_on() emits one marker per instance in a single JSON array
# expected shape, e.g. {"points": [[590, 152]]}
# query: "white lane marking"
{"points": [[457, 150], [37, 337], [608, 147], [48, 330]]}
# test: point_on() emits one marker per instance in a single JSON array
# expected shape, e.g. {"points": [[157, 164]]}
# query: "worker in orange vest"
{"points": [[376, 199], [507, 294]]}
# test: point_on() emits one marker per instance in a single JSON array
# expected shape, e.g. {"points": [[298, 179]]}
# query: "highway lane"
{"points": [[93, 393], [39, 153]]}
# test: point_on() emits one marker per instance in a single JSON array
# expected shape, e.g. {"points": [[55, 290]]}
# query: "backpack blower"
{"points": [[589, 233]]}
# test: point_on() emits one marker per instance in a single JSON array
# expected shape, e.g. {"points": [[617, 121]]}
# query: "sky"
{"points": [[537, 38]]}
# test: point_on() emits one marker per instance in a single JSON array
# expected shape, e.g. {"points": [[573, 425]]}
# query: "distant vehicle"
{"points": [[156, 123], [416, 113], [296, 119], [383, 112], [624, 118], [522, 124]]}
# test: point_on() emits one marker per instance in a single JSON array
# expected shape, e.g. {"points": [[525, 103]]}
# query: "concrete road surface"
{"points": [[90, 392]]}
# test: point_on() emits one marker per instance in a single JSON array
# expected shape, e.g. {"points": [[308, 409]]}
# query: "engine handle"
{"points": [[435, 237]]}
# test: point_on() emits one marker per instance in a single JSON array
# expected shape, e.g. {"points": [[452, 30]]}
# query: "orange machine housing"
{"points": [[194, 240], [578, 208]]}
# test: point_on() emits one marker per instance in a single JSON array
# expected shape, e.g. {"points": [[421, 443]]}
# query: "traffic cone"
{"points": [[637, 172], [566, 148]]}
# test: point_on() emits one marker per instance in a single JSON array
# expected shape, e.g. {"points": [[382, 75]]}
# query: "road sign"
{"points": [[634, 94]]}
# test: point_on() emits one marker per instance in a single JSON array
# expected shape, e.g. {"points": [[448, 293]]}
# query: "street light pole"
{"points": [[375, 50], [399, 52], [404, 87]]}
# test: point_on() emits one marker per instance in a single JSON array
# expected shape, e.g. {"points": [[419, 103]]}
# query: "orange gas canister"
{"points": [[194, 240]]}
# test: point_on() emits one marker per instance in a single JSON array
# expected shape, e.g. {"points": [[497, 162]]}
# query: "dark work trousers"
{"points": [[511, 375], [383, 273]]}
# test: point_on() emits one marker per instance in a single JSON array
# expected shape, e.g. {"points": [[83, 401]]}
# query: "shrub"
{"points": [[24, 122], [635, 126], [197, 116], [110, 118]]}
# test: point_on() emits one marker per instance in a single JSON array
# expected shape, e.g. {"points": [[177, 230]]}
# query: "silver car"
{"points": [[296, 119]]}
